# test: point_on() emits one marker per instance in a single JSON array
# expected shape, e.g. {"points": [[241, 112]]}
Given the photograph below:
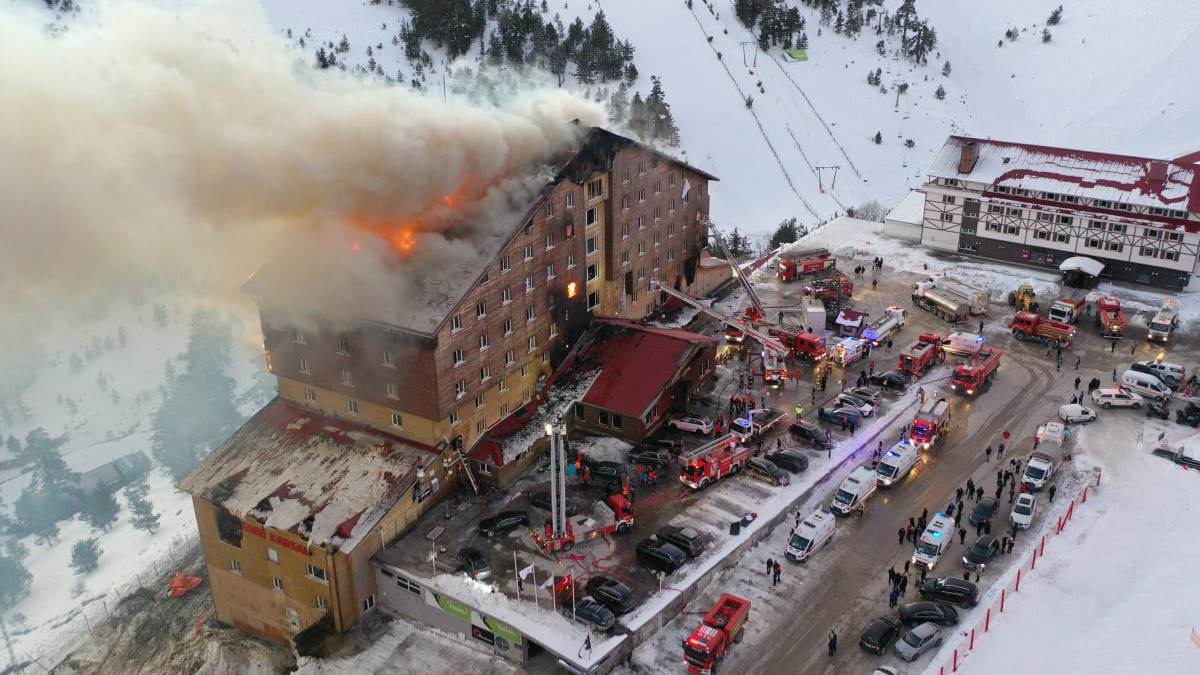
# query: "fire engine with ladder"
{"points": [[713, 461], [562, 533]]}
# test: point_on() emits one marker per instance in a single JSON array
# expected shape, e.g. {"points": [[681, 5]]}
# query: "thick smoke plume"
{"points": [[193, 143]]}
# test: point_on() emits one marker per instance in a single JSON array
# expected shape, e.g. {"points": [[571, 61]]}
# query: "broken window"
{"points": [[229, 528]]}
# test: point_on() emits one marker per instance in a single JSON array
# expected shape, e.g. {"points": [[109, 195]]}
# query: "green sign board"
{"points": [[503, 630], [454, 608]]}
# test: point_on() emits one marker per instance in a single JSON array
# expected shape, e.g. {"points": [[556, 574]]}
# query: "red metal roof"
{"points": [[638, 364]]}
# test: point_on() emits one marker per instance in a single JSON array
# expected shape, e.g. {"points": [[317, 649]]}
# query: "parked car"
{"points": [[789, 460], [650, 455], [918, 641], [890, 380], [1023, 510], [1159, 410], [1170, 374], [696, 425], [869, 394], [1073, 412], [1116, 396], [687, 539], [611, 593], [474, 563], [981, 552], [920, 611], [590, 611], [1189, 416], [503, 522], [1038, 471], [950, 589], [609, 474], [863, 406], [541, 500], [809, 433], [766, 471], [984, 510], [879, 633], [659, 556], [839, 416]]}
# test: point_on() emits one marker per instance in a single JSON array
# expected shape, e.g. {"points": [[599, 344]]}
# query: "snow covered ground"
{"points": [[1115, 590]]}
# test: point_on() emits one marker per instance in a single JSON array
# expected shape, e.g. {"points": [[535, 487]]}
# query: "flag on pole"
{"points": [[527, 571]]}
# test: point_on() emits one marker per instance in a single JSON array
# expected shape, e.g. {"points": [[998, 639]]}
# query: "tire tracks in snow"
{"points": [[762, 130]]}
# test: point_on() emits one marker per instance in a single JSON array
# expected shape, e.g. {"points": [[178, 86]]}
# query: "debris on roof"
{"points": [[327, 480]]}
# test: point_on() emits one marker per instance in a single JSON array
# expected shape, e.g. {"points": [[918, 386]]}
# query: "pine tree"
{"points": [[639, 117], [877, 138], [940, 93], [785, 233], [803, 42], [143, 516], [946, 69], [1055, 16], [13, 445], [1046, 35], [85, 556], [100, 508], [15, 580], [662, 123], [618, 104]]}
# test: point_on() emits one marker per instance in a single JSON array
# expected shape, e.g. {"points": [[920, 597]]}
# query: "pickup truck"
{"points": [[755, 423]]}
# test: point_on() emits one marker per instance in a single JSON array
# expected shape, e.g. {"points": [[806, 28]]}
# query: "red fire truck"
{"points": [[1110, 317], [922, 355], [722, 626], [615, 516], [713, 461], [977, 372], [1032, 326], [830, 286], [793, 264], [930, 423]]}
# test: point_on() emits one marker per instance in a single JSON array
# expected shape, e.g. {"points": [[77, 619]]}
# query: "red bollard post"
{"points": [[1033, 560], [955, 668], [1097, 478], [1084, 500], [1018, 587], [987, 621], [1042, 550], [1003, 593], [972, 639], [1070, 510], [1058, 529], [942, 670]]}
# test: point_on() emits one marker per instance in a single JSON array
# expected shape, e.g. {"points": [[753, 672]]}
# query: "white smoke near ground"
{"points": [[192, 143]]}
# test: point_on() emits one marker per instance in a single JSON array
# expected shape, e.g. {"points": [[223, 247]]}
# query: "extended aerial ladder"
{"points": [[755, 312]]}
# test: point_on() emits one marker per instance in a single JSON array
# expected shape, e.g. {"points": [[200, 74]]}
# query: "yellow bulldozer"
{"points": [[1024, 299]]}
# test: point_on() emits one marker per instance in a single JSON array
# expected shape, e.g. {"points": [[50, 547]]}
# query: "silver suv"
{"points": [[918, 641]]}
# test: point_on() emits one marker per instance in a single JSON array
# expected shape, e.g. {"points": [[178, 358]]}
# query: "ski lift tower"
{"points": [[820, 182]]}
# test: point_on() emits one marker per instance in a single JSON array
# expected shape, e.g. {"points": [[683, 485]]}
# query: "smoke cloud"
{"points": [[192, 143]]}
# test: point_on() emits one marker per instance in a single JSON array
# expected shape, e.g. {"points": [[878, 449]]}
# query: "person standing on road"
{"points": [[979, 493], [832, 643], [1078, 360], [853, 426], [908, 533], [999, 451], [970, 486], [958, 514], [987, 454], [1077, 378], [924, 572], [1113, 348], [903, 585], [778, 571], [1053, 489], [958, 494], [906, 564], [770, 565], [891, 576], [901, 535], [893, 595], [924, 515], [874, 283], [999, 491], [962, 535], [1133, 349], [1114, 375], [981, 326]]}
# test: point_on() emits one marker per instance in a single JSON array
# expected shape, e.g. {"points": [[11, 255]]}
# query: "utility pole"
{"points": [[833, 182]]}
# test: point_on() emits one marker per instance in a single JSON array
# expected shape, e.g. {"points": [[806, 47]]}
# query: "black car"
{"points": [[920, 611], [840, 416], [541, 500], [685, 538], [880, 633], [766, 471], [790, 460], [984, 510], [891, 380], [951, 589], [473, 562], [650, 455], [659, 556], [1159, 410], [607, 474], [611, 593], [590, 611], [503, 522], [981, 552], [809, 433], [1189, 415]]}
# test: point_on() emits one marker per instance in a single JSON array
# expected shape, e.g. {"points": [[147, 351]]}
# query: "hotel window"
{"points": [[531, 342], [1050, 196], [641, 167], [1062, 238], [1014, 212], [1065, 220], [457, 357], [397, 421], [948, 217], [529, 315], [1012, 229], [1123, 207], [589, 217], [454, 418], [460, 388], [272, 555], [1152, 233], [456, 323], [1095, 225], [550, 271], [235, 567], [505, 295], [595, 188], [529, 251], [658, 213], [315, 572], [992, 227], [1092, 243], [485, 374], [625, 175], [1041, 234], [393, 390], [387, 359], [591, 272], [369, 603], [478, 426], [508, 330], [1103, 203], [525, 370], [570, 261], [671, 179], [504, 387], [529, 284], [480, 309], [479, 402], [1117, 227], [1174, 236], [1168, 255], [641, 222], [1148, 252], [343, 345], [548, 208], [624, 230], [310, 394], [670, 230], [277, 584], [1070, 199], [1156, 211], [304, 366], [593, 300], [550, 241], [321, 602], [485, 342], [949, 199], [624, 258], [352, 406], [298, 337], [641, 248], [505, 264], [641, 194], [995, 209], [509, 358], [592, 246], [570, 201], [1113, 246], [347, 377], [657, 238], [553, 330], [1046, 217]]}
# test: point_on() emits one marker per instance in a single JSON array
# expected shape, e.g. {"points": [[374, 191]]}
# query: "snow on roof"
{"points": [[911, 209], [1082, 173], [1082, 264], [638, 364], [851, 318], [288, 464]]}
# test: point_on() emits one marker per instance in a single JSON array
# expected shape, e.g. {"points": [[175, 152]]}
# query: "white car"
{"points": [[1073, 412], [863, 406], [1023, 510], [1118, 396], [696, 425], [1038, 471]]}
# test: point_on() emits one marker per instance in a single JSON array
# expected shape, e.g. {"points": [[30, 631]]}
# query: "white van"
{"points": [[811, 534], [1171, 374], [934, 541], [853, 493], [896, 463], [848, 351], [1145, 384]]}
